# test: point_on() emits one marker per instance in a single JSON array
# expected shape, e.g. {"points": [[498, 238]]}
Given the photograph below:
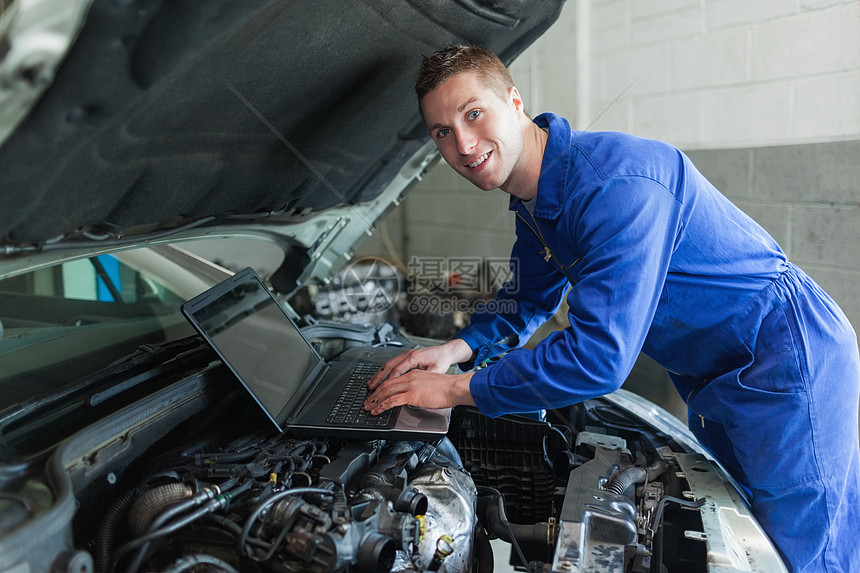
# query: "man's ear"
{"points": [[516, 99]]}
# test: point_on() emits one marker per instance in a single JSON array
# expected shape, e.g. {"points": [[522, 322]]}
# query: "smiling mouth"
{"points": [[479, 160]]}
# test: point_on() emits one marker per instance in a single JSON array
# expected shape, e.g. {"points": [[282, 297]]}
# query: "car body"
{"points": [[137, 134]]}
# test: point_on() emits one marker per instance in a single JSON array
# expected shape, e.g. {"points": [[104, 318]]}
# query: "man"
{"points": [[657, 260]]}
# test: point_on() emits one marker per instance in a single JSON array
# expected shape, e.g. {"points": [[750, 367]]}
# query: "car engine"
{"points": [[192, 477], [601, 494], [285, 504]]}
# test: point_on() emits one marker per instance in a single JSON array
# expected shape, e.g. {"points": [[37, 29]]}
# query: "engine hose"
{"points": [[159, 527], [634, 475], [153, 502], [538, 533], [503, 518], [657, 531], [365, 335], [625, 478], [225, 523], [227, 458], [104, 539], [447, 449]]}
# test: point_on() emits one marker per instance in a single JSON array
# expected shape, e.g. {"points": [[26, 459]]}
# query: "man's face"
{"points": [[476, 130]]}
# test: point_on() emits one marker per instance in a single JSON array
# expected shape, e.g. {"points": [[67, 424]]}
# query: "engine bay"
{"points": [[600, 495], [191, 478]]}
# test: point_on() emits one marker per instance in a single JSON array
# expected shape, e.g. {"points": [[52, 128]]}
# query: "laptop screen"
{"points": [[258, 341]]}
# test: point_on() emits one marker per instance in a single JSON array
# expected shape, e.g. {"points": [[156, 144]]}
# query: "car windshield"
{"points": [[67, 321]]}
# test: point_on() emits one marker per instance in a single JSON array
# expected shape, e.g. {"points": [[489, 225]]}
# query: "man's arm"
{"points": [[417, 377], [626, 229], [528, 300]]}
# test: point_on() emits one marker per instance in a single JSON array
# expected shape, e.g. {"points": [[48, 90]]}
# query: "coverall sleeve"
{"points": [[626, 230], [529, 299]]}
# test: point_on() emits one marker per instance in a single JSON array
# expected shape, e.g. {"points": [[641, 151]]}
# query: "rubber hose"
{"points": [[625, 478], [630, 476], [325, 331], [104, 540], [153, 502], [537, 533], [656, 469]]}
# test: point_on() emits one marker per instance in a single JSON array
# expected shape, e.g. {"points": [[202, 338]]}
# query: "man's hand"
{"points": [[422, 389], [430, 359], [417, 378]]}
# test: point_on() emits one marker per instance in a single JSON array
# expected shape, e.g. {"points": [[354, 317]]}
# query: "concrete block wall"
{"points": [[765, 98], [706, 74]]}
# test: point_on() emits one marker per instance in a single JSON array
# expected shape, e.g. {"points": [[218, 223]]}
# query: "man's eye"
{"points": [[443, 132], [474, 114]]}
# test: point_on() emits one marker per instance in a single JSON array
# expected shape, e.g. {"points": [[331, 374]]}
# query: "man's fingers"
{"points": [[394, 401], [377, 378], [422, 389], [386, 389], [393, 368], [384, 372], [397, 392], [394, 392]]}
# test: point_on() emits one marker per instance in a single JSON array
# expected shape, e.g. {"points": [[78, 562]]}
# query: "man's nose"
{"points": [[466, 142]]}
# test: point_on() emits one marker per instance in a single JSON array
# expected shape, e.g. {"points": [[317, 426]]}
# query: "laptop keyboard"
{"points": [[348, 408]]}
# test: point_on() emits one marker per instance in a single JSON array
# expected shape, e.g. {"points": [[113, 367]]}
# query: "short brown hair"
{"points": [[443, 65]]}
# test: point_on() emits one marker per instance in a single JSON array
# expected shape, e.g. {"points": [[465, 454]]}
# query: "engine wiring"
{"points": [[213, 498], [235, 506], [262, 506], [658, 515]]}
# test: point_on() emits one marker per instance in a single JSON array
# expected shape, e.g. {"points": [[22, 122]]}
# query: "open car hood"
{"points": [[130, 121]]}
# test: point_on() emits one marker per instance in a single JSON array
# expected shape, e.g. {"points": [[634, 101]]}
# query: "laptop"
{"points": [[295, 387]]}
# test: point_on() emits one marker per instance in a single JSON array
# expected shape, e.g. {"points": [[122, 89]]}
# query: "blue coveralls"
{"points": [[660, 261]]}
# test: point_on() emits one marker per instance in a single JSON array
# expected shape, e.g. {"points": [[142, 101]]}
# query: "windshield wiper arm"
{"points": [[161, 355], [127, 384]]}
